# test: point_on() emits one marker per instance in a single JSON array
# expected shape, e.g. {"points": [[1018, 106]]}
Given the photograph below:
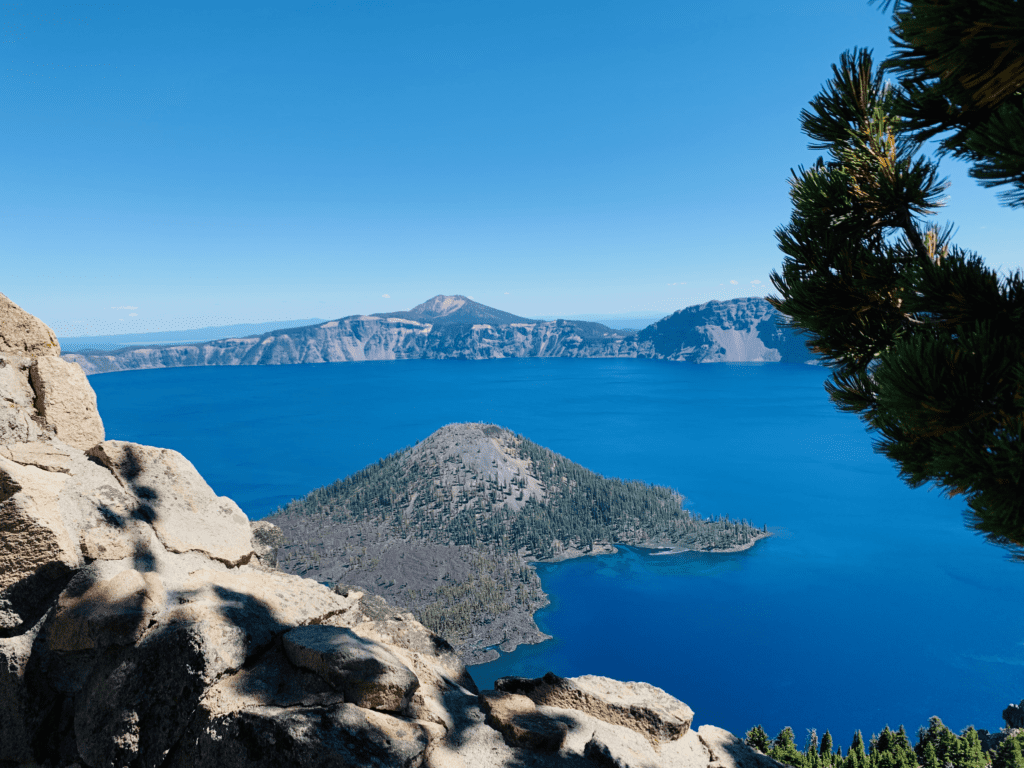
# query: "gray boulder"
{"points": [[519, 721], [366, 672], [66, 402], [37, 553], [116, 611], [639, 706], [181, 507]]}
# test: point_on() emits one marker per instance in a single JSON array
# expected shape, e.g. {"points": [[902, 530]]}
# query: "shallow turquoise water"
{"points": [[871, 605]]}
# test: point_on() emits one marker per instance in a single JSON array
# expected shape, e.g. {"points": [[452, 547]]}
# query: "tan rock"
{"points": [[17, 425], [266, 540], [272, 714], [15, 718], [14, 385], [380, 621], [248, 607], [66, 401], [137, 700], [42, 455], [182, 508], [37, 555], [640, 706], [106, 542], [24, 334], [116, 611], [339, 736], [517, 718], [17, 402], [365, 671]]}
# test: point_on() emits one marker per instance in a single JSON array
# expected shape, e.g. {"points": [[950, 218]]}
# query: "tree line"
{"points": [[937, 747]]}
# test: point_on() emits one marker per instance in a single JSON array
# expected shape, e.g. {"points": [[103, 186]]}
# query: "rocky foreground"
{"points": [[143, 625], [738, 330]]}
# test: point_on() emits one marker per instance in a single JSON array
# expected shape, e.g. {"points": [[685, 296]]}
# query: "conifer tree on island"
{"points": [[925, 342]]}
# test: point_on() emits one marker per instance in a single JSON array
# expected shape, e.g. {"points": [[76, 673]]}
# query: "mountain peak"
{"points": [[457, 310], [440, 306]]}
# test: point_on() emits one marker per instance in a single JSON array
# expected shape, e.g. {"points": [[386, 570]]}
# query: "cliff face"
{"points": [[741, 330], [143, 625]]}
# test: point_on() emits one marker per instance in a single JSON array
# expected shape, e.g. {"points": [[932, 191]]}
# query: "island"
{"points": [[449, 528]]}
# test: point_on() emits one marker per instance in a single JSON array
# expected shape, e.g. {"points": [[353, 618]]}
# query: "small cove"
{"points": [[871, 604]]}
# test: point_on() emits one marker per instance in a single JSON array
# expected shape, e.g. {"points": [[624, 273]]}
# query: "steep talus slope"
{"points": [[143, 625], [740, 330], [446, 529]]}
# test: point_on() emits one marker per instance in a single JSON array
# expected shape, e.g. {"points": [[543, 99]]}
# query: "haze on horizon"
{"points": [[195, 164]]}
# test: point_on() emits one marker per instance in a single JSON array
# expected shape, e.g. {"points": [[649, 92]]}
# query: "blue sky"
{"points": [[176, 165]]}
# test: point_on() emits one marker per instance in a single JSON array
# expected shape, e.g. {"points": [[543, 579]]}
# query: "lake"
{"points": [[871, 605]]}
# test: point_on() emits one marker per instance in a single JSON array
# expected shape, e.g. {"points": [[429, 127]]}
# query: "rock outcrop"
{"points": [[739, 330], [142, 625]]}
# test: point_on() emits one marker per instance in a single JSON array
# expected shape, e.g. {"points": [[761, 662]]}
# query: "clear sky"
{"points": [[181, 164]]}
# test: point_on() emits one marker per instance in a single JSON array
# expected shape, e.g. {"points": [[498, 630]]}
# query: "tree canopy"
{"points": [[961, 67], [925, 342]]}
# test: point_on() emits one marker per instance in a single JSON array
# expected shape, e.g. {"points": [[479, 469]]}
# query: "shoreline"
{"points": [[677, 551]]}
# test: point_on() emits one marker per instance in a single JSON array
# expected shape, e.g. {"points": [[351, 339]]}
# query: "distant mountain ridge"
{"points": [[738, 330], [193, 336]]}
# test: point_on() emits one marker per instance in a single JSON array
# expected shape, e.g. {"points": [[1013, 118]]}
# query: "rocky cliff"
{"points": [[143, 625], [740, 330]]}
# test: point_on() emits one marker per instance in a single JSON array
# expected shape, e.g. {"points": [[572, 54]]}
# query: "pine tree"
{"points": [[954, 66], [928, 757], [926, 343], [856, 757], [784, 749], [758, 739], [825, 751], [811, 758], [942, 740], [968, 753], [1008, 754]]}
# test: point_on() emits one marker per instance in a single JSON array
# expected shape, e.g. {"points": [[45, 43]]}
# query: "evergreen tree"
{"points": [[856, 757], [962, 72], [892, 750], [928, 756], [784, 749], [926, 343], [967, 752], [825, 751], [758, 739], [942, 740], [1008, 754], [811, 758]]}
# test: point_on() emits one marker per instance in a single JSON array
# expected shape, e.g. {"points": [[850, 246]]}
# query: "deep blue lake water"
{"points": [[872, 604]]}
